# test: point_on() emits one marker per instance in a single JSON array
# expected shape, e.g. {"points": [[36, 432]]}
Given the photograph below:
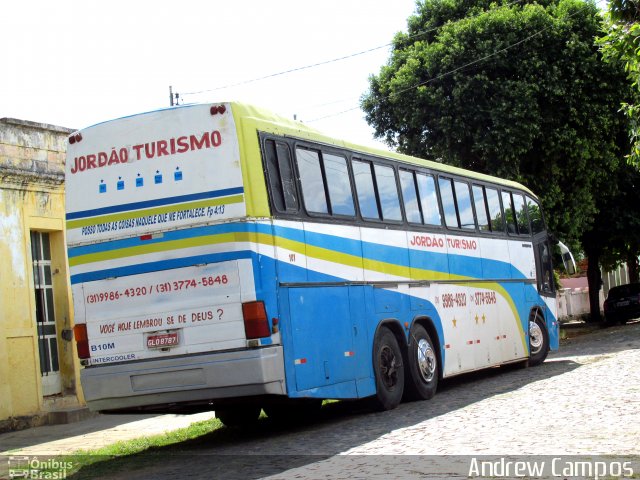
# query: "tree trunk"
{"points": [[632, 265], [595, 283]]}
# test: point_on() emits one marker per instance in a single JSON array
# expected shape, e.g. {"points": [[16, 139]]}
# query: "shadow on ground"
{"points": [[270, 449]]}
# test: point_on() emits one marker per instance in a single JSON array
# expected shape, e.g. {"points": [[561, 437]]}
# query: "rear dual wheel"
{"points": [[388, 369]]}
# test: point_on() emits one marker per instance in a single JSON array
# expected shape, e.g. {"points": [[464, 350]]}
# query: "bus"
{"points": [[226, 258]]}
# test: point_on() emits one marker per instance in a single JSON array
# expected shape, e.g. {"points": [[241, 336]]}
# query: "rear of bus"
{"points": [[169, 312]]}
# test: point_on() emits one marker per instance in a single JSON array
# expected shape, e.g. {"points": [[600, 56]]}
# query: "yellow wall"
{"points": [[31, 198]]}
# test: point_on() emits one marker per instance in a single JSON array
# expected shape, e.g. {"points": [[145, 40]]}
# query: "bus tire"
{"points": [[538, 341], [238, 416], [388, 370], [423, 365]]}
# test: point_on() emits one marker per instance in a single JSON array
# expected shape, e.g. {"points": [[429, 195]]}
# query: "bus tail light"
{"points": [[256, 324], [82, 340], [217, 109], [75, 138]]}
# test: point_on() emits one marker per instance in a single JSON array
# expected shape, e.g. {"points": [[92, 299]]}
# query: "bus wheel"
{"points": [[388, 370], [423, 365], [538, 341], [238, 416]]}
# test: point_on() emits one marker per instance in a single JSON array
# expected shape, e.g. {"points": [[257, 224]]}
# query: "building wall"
{"points": [[32, 159]]}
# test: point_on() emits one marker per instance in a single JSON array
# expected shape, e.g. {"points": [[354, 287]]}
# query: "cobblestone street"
{"points": [[583, 400]]}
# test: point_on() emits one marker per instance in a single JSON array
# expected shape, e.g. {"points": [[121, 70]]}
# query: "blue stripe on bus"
{"points": [[331, 242], [154, 203]]}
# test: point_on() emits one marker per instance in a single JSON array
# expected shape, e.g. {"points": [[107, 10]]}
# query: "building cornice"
{"points": [[22, 179], [36, 125]]}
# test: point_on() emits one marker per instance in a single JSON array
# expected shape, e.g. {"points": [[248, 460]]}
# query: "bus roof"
{"points": [[270, 122]]}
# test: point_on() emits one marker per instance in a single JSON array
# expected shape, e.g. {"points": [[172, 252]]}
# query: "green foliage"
{"points": [[515, 90], [621, 42], [617, 227], [99, 462]]}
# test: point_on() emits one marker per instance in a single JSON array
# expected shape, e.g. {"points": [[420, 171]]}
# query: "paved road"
{"points": [[584, 400]]}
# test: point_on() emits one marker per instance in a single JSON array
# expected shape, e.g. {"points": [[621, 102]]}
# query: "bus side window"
{"points": [[509, 212], [448, 202], [521, 214], [363, 177], [338, 184], [463, 201], [410, 197], [481, 208], [281, 179], [313, 191], [429, 199], [388, 193], [535, 214], [496, 218]]}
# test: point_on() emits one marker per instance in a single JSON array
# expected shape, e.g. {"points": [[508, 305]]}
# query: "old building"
{"points": [[39, 372]]}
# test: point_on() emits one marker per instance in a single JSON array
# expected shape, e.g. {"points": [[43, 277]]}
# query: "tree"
{"points": [[515, 90], [615, 234], [620, 43], [618, 222]]}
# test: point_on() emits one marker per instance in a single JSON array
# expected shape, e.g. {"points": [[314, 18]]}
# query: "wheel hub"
{"points": [[426, 360], [535, 337], [388, 367]]}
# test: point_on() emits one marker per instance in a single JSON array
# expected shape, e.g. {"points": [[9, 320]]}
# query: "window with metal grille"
{"points": [[45, 317]]}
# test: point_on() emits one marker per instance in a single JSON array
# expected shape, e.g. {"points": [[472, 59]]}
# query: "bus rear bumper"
{"points": [[166, 384]]}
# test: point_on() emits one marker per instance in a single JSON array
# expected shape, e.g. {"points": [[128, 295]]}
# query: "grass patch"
{"points": [[151, 451], [82, 459], [130, 447]]}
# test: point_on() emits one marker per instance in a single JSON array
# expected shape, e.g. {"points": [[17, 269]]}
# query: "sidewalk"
{"points": [[91, 434]]}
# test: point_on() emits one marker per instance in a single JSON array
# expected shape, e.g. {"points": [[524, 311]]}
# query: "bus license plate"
{"points": [[162, 340]]}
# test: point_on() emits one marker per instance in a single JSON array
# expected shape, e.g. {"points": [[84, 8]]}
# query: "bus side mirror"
{"points": [[567, 258]]}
